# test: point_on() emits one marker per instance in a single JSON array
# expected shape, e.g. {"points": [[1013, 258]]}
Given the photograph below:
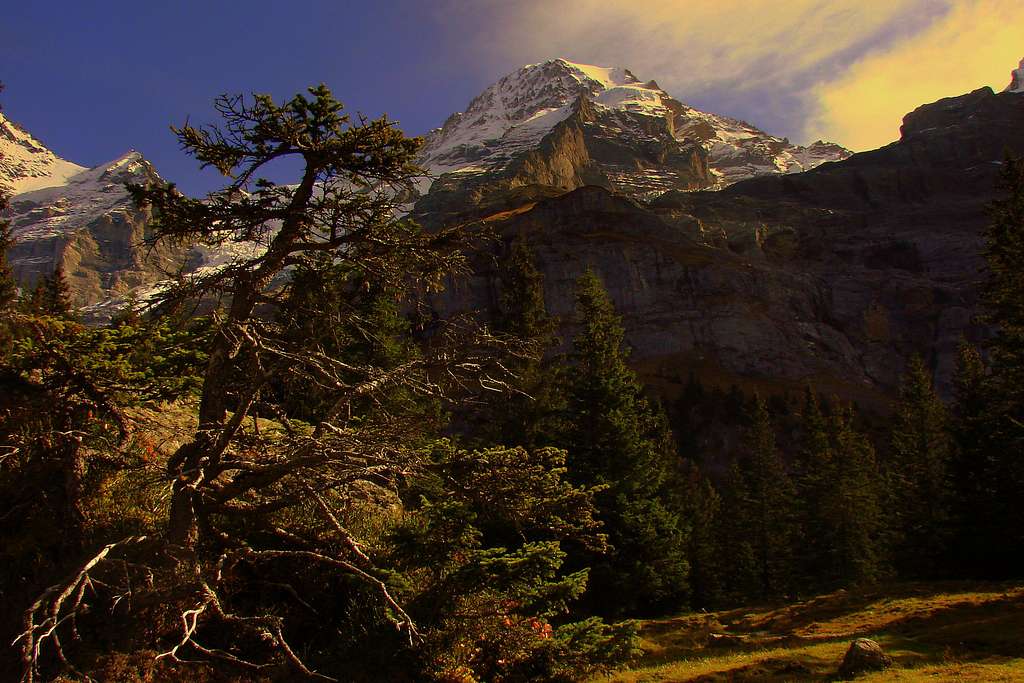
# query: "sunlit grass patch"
{"points": [[933, 632]]}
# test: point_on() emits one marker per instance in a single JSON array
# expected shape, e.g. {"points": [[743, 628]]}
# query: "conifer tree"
{"points": [[57, 293], [814, 474], [988, 417], [977, 508], [1003, 301], [736, 547], [921, 454], [841, 491], [1003, 295], [854, 509], [767, 507], [529, 413], [8, 287], [51, 295], [618, 441], [702, 507]]}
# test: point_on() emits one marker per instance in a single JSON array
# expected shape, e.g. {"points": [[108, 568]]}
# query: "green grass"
{"points": [[933, 632]]}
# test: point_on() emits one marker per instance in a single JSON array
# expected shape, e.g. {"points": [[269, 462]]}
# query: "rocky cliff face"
{"points": [[834, 276], [565, 125], [82, 219]]}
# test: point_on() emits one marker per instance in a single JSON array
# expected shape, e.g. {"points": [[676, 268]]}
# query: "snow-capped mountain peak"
{"points": [[518, 110], [1016, 79], [80, 199], [512, 116], [26, 164]]}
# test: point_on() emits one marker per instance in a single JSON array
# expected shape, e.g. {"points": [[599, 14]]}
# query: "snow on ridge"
{"points": [[82, 198], [26, 164], [608, 77], [636, 98], [515, 113]]}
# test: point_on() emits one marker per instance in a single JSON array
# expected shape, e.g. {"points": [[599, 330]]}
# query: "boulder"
{"points": [[863, 655]]}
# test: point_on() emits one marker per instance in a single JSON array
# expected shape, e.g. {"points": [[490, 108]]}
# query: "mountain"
{"points": [[542, 130], [26, 164], [834, 276], [82, 219], [564, 124]]}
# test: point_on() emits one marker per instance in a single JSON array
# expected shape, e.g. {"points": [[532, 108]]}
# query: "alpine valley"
{"points": [[731, 253]]}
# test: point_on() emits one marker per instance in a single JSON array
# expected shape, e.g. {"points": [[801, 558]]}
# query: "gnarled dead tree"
{"points": [[254, 495]]}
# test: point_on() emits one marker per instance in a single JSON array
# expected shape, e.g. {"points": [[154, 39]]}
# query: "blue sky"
{"points": [[94, 79]]}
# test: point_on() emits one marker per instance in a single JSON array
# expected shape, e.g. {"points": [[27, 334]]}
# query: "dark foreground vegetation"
{"points": [[290, 468]]}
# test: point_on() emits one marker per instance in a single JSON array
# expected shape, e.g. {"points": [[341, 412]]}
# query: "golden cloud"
{"points": [[841, 70], [691, 43], [975, 44]]}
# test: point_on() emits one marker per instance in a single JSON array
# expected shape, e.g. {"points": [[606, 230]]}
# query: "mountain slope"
{"points": [[512, 117], [26, 164], [833, 277], [79, 218]]}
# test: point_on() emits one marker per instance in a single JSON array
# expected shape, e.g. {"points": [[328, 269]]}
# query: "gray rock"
{"points": [[862, 656]]}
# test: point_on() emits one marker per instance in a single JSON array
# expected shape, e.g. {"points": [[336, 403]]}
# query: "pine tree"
{"points": [[814, 474], [758, 520], [854, 509], [51, 295], [736, 543], [841, 492], [1001, 465], [1003, 297], [921, 454], [58, 293], [523, 311], [978, 508], [768, 511], [618, 441], [8, 287], [528, 413], [988, 417], [702, 506]]}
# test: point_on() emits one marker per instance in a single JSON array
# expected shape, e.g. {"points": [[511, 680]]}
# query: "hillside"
{"points": [[832, 276], [933, 632]]}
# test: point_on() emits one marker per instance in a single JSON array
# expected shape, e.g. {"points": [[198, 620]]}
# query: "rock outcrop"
{"points": [[834, 276], [1016, 79]]}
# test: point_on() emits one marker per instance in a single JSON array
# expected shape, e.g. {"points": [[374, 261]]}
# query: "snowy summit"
{"points": [[513, 115], [26, 164]]}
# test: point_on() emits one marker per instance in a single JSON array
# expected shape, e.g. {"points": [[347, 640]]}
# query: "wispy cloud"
{"points": [[785, 66]]}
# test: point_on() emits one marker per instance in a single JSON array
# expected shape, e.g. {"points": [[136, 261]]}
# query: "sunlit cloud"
{"points": [[794, 68], [974, 45]]}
